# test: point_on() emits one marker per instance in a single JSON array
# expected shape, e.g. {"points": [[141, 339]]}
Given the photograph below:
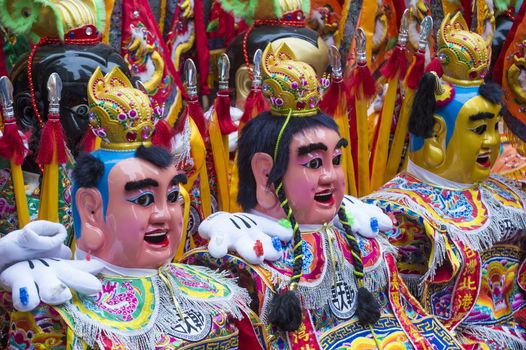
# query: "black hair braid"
{"points": [[286, 312], [298, 241], [368, 309]]}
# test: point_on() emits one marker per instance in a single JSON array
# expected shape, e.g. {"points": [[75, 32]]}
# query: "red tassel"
{"points": [[195, 111], [222, 108], [337, 90], [163, 134], [397, 63], [201, 40], [468, 12], [254, 105], [435, 66], [88, 141], [52, 140], [12, 143], [417, 71], [362, 76]]}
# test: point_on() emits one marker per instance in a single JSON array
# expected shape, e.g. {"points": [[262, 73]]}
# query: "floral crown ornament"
{"points": [[291, 86], [464, 55], [122, 116]]}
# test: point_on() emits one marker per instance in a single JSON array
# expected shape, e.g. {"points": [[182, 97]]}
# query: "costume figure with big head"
{"points": [[72, 48], [127, 214], [460, 229], [275, 22], [329, 287]]}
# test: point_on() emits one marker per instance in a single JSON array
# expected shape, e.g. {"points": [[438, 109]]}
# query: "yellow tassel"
{"points": [[108, 4], [234, 183], [342, 119], [22, 210], [198, 154], [220, 162], [363, 144], [395, 153], [186, 216], [379, 154], [338, 36], [204, 188], [48, 209], [175, 109], [162, 16]]}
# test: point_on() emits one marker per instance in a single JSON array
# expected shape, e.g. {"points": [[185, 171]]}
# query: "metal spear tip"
{"points": [[190, 73], [223, 69], [361, 55], [54, 88], [425, 30], [257, 62], [6, 92], [139, 85], [335, 61], [223, 65], [404, 28]]}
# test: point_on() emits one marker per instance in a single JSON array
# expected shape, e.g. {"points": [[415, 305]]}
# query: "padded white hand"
{"points": [[48, 280], [38, 239], [365, 219], [252, 237]]}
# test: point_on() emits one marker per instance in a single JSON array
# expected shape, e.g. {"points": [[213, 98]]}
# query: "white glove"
{"points": [[365, 219], [38, 239], [48, 280], [252, 237]]}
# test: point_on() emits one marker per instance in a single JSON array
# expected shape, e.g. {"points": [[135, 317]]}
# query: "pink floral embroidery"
{"points": [[123, 303]]}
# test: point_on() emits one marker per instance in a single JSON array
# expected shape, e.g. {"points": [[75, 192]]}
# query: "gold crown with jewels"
{"points": [[290, 86], [121, 115], [463, 54]]}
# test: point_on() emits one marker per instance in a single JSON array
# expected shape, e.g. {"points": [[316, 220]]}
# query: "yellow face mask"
{"points": [[467, 153]]}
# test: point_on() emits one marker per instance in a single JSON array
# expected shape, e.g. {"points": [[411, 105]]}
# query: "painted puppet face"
{"points": [[314, 182]]}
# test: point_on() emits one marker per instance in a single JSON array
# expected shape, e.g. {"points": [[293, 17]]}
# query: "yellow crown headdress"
{"points": [[291, 86], [121, 115], [464, 54]]}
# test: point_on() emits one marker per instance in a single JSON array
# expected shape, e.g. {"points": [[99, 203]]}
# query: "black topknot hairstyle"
{"points": [[421, 121]]}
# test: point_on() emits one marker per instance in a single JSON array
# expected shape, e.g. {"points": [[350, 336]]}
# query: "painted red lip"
{"points": [[484, 160], [325, 197], [157, 237]]}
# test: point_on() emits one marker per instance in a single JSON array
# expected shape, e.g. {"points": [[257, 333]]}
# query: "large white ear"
{"points": [[435, 146], [262, 164], [89, 206]]}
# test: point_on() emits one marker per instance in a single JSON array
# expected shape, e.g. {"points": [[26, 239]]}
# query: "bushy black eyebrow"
{"points": [[481, 115], [342, 143], [137, 185], [179, 179], [302, 150]]}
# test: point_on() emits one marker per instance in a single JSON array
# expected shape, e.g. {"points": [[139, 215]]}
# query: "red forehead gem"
{"points": [[131, 136], [300, 104]]}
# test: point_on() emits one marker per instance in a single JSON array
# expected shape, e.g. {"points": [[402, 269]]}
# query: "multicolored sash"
{"points": [[396, 290], [467, 287], [305, 337]]}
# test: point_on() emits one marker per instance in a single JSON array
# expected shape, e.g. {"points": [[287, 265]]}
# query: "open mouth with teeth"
{"points": [[484, 160], [325, 197], [158, 238]]}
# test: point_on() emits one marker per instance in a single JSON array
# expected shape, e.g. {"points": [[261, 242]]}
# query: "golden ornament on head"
{"points": [[121, 115], [463, 54], [290, 86]]}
